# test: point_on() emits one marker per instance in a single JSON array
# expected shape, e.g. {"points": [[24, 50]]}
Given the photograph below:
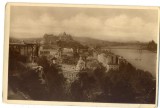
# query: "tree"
{"points": [[83, 89], [54, 78], [32, 86], [127, 85], [56, 82], [42, 61], [152, 46]]}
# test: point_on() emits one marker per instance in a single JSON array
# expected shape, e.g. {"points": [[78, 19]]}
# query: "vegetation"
{"points": [[152, 46], [55, 79], [27, 80], [15, 59], [127, 85]]}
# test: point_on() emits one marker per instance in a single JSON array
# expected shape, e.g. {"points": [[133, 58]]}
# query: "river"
{"points": [[144, 59]]}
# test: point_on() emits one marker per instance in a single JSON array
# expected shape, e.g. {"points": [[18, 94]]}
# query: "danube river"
{"points": [[141, 59]]}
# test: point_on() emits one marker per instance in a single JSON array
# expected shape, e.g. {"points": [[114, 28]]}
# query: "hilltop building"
{"points": [[50, 39]]}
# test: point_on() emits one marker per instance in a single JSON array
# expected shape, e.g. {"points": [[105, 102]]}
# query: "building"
{"points": [[102, 59], [30, 50], [121, 60], [54, 52], [46, 52], [112, 67], [50, 39], [108, 60], [67, 51], [112, 63]]}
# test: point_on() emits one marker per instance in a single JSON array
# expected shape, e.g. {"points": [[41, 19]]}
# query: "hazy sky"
{"points": [[110, 24]]}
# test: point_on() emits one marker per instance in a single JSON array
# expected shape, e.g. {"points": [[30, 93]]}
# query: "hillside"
{"points": [[65, 39], [103, 43]]}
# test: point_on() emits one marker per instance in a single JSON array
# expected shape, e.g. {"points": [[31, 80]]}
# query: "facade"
{"points": [[26, 49], [67, 51], [112, 67], [102, 59], [46, 52], [110, 61], [50, 52], [121, 60]]}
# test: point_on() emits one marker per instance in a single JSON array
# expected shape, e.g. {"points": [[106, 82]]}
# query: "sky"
{"points": [[111, 24]]}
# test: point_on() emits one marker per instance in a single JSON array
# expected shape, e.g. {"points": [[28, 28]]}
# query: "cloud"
{"points": [[117, 28], [127, 28], [117, 22]]}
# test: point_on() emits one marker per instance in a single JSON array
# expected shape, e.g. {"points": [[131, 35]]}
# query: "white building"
{"points": [[67, 50], [102, 59], [109, 61]]}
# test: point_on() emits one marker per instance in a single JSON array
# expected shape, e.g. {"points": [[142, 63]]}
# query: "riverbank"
{"points": [[144, 60], [135, 47]]}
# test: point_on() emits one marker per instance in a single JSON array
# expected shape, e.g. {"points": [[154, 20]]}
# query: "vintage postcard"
{"points": [[90, 55]]}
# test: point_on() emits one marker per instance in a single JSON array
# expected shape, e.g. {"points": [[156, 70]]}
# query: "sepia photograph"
{"points": [[81, 53]]}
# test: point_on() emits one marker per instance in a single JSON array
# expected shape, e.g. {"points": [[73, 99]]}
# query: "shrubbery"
{"points": [[127, 85]]}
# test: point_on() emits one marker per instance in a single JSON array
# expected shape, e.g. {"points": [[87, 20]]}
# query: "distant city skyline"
{"points": [[111, 24]]}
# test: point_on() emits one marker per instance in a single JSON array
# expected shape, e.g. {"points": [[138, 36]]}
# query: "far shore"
{"points": [[128, 47]]}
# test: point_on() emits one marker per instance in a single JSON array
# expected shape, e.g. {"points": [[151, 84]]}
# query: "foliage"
{"points": [[16, 61], [83, 88], [55, 79], [126, 85], [30, 84], [56, 82], [152, 46]]}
